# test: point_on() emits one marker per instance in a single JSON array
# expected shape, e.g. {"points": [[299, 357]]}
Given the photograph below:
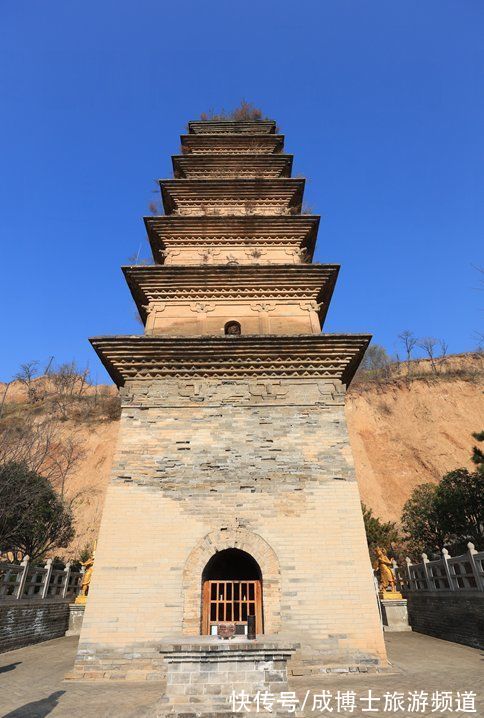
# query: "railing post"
{"points": [[411, 582], [67, 575], [47, 577], [445, 557], [425, 561], [396, 575], [23, 578], [472, 550]]}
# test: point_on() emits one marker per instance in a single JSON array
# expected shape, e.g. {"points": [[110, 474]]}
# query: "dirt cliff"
{"points": [[404, 430], [407, 431]]}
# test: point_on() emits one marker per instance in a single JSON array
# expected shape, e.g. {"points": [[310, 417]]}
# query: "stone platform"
{"points": [[76, 617], [203, 675], [395, 614]]}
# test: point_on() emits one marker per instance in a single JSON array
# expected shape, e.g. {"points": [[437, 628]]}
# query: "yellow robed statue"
{"points": [[86, 578], [386, 577]]}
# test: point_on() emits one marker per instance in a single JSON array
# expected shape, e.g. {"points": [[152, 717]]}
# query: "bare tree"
{"points": [[4, 396], [409, 342], [26, 375], [62, 462], [444, 347], [376, 364], [45, 448], [480, 341], [429, 344], [68, 383]]}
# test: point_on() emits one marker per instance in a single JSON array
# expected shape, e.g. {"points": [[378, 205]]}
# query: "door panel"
{"points": [[231, 601]]}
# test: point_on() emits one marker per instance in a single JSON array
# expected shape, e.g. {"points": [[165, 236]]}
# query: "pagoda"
{"points": [[233, 491]]}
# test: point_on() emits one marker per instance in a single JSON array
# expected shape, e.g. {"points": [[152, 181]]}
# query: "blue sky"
{"points": [[382, 104]]}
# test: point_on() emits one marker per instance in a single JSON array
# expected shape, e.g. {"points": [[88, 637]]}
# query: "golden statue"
{"points": [[386, 578], [86, 579]]}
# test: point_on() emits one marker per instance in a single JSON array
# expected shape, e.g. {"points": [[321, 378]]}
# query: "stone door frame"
{"points": [[220, 540]]}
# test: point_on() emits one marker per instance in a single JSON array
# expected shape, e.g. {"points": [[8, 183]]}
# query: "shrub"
{"points": [[245, 112]]}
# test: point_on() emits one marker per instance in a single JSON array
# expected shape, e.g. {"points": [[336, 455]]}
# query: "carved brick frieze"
{"points": [[232, 145], [202, 307], [229, 206], [209, 239], [212, 393], [255, 254], [311, 306], [229, 151], [299, 255], [208, 255], [235, 173], [264, 307], [231, 292]]}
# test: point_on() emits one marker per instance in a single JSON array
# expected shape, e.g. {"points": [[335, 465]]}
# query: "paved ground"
{"points": [[32, 686]]}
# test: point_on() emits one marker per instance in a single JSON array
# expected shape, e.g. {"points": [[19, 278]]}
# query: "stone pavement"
{"points": [[32, 686]]}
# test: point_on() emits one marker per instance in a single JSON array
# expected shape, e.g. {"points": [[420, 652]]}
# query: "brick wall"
{"points": [[263, 466], [26, 622], [452, 615]]}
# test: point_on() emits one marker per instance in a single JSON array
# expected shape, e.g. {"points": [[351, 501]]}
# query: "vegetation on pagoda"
{"points": [[244, 112]]}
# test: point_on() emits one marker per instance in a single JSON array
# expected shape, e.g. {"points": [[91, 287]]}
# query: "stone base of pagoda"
{"points": [[213, 676]]}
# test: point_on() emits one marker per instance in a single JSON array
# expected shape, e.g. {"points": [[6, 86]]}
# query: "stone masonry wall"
{"points": [[452, 615], [264, 466], [203, 677], [25, 622]]}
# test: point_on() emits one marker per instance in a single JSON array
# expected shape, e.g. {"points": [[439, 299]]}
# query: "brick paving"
{"points": [[32, 685]]}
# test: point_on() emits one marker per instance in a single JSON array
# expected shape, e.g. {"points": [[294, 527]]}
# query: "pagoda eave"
{"points": [[147, 358], [233, 166], [163, 230], [209, 144], [178, 193], [276, 283]]}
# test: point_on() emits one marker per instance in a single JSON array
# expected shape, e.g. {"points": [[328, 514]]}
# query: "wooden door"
{"points": [[231, 601]]}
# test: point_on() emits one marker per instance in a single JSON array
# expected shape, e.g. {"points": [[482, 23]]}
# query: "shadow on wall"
{"points": [[36, 709]]}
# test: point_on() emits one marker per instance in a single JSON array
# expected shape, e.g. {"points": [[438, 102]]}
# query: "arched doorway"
{"points": [[231, 591]]}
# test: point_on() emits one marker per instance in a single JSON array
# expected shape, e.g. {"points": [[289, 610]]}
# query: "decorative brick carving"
{"points": [[268, 389], [265, 307], [236, 392], [202, 307], [197, 391], [333, 393]]}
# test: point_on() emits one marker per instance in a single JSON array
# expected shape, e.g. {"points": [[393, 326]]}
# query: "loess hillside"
{"points": [[404, 430]]}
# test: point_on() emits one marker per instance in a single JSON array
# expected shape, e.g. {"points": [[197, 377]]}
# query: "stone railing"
{"points": [[449, 573], [24, 581]]}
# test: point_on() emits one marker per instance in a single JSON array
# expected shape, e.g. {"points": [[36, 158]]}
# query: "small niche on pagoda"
{"points": [[232, 329]]}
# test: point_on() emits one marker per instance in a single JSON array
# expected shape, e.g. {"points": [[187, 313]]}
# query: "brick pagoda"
{"points": [[233, 490]]}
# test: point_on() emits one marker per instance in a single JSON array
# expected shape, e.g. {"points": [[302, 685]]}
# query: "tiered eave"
{"points": [[300, 282], [147, 358], [174, 232]]}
